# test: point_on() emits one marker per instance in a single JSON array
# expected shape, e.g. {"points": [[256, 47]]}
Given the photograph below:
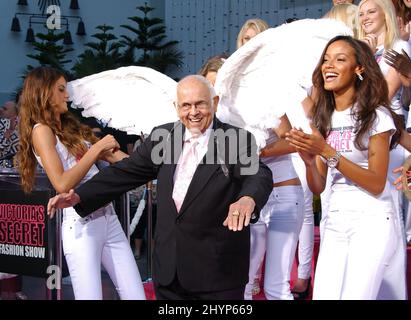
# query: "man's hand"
{"points": [[61, 201], [239, 214]]}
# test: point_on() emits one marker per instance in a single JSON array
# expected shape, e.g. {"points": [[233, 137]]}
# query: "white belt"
{"points": [[107, 210]]}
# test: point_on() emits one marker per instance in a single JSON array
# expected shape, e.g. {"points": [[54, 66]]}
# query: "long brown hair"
{"points": [[402, 10], [36, 106], [370, 94], [213, 64]]}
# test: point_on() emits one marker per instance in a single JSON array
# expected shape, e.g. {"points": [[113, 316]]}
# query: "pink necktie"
{"points": [[185, 170]]}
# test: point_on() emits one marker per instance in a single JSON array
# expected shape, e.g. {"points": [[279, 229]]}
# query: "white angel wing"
{"points": [[271, 74], [133, 99]]}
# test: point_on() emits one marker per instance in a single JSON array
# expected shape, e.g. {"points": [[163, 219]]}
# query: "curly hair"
{"points": [[36, 106], [370, 93]]}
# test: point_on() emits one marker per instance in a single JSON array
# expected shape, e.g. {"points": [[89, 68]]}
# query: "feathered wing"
{"points": [[271, 74], [133, 99]]}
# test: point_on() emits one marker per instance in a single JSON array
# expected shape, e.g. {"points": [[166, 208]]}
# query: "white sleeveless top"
{"points": [[281, 166], [69, 161]]}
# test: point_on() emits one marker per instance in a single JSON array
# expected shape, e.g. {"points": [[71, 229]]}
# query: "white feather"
{"points": [[271, 74], [133, 99]]}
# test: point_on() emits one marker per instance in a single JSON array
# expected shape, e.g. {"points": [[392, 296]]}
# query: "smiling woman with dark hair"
{"points": [[353, 129]]}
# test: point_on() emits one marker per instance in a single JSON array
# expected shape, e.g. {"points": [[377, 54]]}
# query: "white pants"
{"points": [[96, 239], [394, 284], [357, 244], [306, 237], [282, 217], [258, 238], [325, 198]]}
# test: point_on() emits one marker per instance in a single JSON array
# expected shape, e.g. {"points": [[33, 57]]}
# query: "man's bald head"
{"points": [[196, 103]]}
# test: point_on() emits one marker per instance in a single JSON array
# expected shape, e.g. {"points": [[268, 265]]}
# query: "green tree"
{"points": [[49, 52], [102, 55], [150, 42]]}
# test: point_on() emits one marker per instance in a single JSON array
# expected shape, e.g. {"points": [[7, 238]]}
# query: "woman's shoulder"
{"points": [[41, 127], [43, 132]]}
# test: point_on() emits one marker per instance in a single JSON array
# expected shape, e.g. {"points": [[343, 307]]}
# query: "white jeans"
{"points": [[258, 238], [99, 239], [325, 198], [306, 237], [276, 233], [357, 244], [281, 220], [394, 284]]}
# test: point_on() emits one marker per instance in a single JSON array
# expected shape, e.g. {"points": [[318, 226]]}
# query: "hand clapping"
{"points": [[401, 63]]}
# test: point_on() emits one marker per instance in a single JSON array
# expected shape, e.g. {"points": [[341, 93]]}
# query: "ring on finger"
{"points": [[235, 213]]}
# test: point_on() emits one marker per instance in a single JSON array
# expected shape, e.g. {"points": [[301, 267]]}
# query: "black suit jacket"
{"points": [[194, 244]]}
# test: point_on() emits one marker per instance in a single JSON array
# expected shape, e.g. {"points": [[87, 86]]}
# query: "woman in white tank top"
{"points": [[68, 151]]}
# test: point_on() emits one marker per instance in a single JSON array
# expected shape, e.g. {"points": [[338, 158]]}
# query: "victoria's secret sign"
{"points": [[24, 232]]}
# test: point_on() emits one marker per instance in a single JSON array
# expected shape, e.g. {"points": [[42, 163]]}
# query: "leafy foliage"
{"points": [[49, 52], [150, 42], [102, 55]]}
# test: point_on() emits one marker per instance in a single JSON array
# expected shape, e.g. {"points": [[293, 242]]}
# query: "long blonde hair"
{"points": [[392, 33], [36, 106], [258, 25], [347, 13]]}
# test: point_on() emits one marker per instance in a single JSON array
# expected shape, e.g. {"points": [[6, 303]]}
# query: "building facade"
{"points": [[206, 28], [203, 27]]}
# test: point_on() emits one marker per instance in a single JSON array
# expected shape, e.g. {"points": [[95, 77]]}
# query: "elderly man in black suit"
{"points": [[210, 185]]}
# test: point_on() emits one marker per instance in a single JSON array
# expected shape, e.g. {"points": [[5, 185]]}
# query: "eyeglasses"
{"points": [[200, 105]]}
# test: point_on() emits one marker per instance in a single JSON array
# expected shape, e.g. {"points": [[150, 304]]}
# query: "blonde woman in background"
{"points": [[347, 13], [250, 29], [276, 232]]}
